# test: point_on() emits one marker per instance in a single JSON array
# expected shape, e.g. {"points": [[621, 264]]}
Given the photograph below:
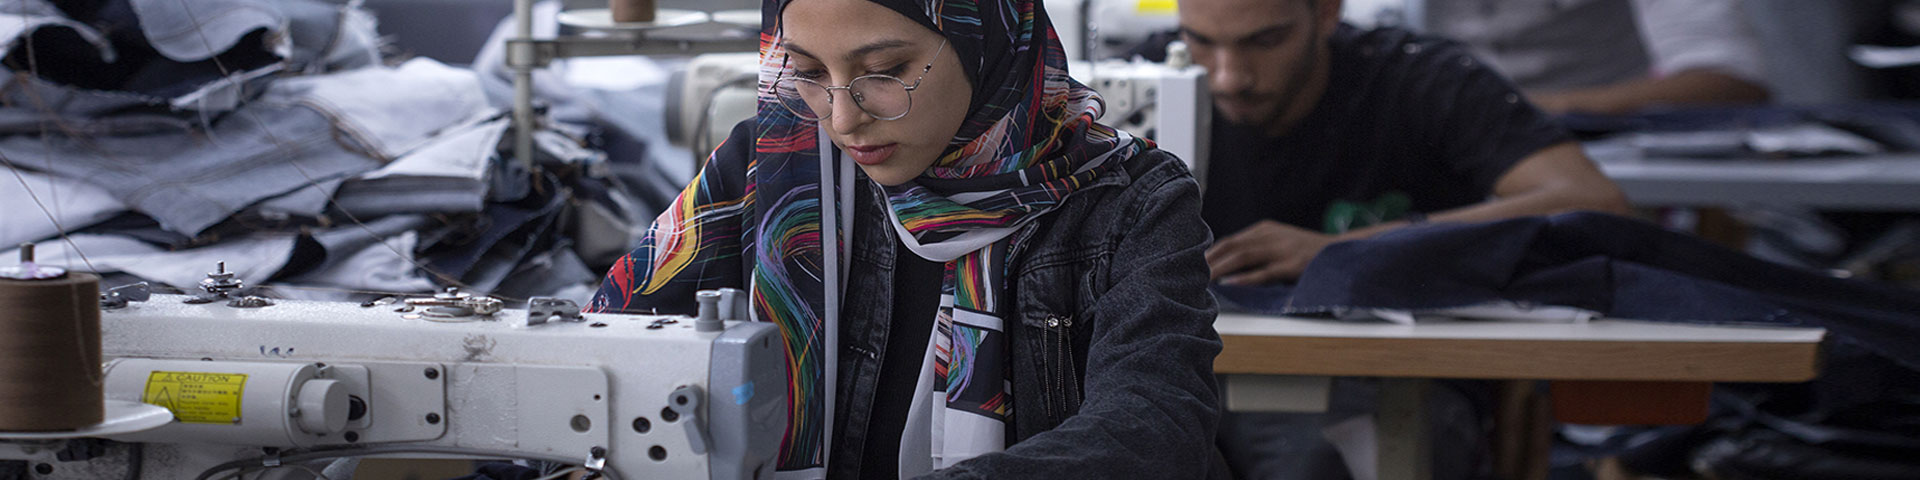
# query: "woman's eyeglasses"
{"points": [[885, 97]]}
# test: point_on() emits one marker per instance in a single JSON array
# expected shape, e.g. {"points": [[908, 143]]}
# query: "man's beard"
{"points": [[1290, 92]]}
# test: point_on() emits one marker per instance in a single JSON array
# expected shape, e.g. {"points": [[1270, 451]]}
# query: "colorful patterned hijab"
{"points": [[1029, 142]]}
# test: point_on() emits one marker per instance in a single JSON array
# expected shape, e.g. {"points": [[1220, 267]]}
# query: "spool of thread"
{"points": [[50, 373], [627, 11]]}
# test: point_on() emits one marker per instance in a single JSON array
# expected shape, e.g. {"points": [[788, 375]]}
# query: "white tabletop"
{"points": [[1597, 330], [1874, 182], [1607, 349]]}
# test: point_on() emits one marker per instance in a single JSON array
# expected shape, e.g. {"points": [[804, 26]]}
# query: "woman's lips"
{"points": [[871, 154]]}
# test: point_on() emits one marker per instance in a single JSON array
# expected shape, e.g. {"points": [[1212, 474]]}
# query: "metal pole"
{"points": [[523, 122]]}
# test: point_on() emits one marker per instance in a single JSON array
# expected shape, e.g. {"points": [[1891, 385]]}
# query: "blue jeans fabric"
{"points": [[448, 174], [71, 204], [123, 66], [191, 182], [1621, 267], [506, 233], [302, 131]]}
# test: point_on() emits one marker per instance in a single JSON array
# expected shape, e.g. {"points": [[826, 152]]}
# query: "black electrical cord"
{"points": [[261, 462], [135, 455]]}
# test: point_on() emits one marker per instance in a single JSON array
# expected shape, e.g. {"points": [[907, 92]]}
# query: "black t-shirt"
{"points": [[916, 299], [1407, 123]]}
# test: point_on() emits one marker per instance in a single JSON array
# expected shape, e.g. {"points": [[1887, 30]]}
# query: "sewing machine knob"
{"points": [[322, 407]]}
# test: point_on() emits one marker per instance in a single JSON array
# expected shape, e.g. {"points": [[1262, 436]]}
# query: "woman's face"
{"points": [[834, 41]]}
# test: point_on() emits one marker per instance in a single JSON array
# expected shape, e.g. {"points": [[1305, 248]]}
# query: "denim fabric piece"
{"points": [[167, 67], [73, 203], [133, 225], [190, 182], [508, 232], [135, 65], [1620, 267], [200, 29], [253, 259], [555, 271], [1268, 299], [378, 257], [390, 111], [310, 201], [1275, 298], [448, 174], [287, 139]]}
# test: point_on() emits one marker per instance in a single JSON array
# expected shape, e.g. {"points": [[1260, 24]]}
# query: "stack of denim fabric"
{"points": [[163, 136]]}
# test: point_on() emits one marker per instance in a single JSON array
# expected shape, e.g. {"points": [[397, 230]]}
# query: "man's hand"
{"points": [[1265, 252]]}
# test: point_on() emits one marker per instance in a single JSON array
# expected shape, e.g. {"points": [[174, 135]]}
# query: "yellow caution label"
{"points": [[197, 397], [1156, 7]]}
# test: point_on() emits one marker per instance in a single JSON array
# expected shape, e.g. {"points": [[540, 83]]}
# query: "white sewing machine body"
{"points": [[644, 396]]}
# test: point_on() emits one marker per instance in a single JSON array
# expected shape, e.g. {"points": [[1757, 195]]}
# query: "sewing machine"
{"points": [[278, 388]]}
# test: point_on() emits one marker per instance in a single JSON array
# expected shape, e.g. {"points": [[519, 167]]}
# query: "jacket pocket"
{"points": [[1050, 343]]}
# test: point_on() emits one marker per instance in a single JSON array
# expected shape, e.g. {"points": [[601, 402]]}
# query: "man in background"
{"points": [[1324, 133]]}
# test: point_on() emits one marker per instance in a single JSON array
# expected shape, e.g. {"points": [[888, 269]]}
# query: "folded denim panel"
{"points": [[314, 36], [377, 255], [31, 198], [310, 201], [201, 29], [386, 267], [75, 57], [302, 131], [198, 59], [390, 110], [556, 272], [449, 174], [503, 234], [191, 182]]}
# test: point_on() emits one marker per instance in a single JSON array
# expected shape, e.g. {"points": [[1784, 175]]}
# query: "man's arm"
{"points": [[1555, 179], [1697, 87], [1703, 52]]}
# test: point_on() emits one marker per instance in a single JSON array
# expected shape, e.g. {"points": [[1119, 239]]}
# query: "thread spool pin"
{"points": [[30, 270]]}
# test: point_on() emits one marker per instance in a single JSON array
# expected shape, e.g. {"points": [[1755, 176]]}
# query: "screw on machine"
{"points": [[453, 303]]}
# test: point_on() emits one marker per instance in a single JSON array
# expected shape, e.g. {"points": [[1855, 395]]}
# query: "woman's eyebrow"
{"points": [[856, 53]]}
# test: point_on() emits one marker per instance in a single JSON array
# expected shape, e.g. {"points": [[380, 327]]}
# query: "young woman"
{"points": [[973, 278]]}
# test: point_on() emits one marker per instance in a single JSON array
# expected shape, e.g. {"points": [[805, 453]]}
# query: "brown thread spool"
{"points": [[628, 11], [50, 373]]}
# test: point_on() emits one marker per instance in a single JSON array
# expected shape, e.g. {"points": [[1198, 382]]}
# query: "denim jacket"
{"points": [[1113, 350]]}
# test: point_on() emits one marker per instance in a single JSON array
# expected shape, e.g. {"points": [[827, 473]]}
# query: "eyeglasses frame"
{"points": [[856, 97]]}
